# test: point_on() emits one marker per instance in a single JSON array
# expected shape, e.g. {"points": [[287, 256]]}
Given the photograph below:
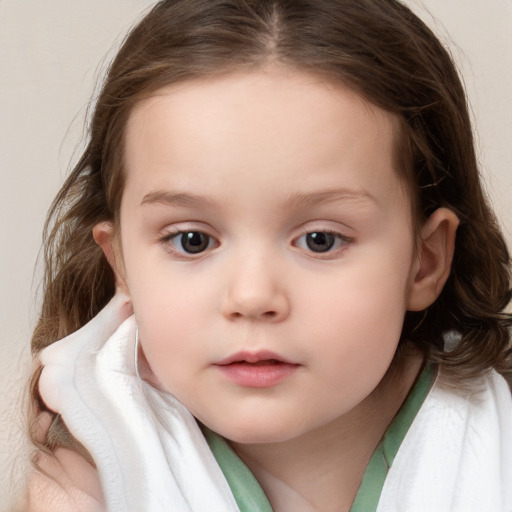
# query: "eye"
{"points": [[189, 242], [322, 241]]}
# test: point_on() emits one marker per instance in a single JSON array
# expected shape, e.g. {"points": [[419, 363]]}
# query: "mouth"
{"points": [[263, 362], [260, 358], [256, 369]]}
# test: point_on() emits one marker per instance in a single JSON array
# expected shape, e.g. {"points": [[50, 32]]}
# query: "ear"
{"points": [[434, 259], [104, 236]]}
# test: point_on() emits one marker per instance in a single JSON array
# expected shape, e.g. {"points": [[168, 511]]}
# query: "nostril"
{"points": [[269, 315], [270, 307]]}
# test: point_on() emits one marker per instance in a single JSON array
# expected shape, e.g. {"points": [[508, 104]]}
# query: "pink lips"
{"points": [[256, 369]]}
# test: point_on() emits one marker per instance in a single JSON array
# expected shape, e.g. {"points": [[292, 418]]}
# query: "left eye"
{"points": [[191, 242], [321, 241]]}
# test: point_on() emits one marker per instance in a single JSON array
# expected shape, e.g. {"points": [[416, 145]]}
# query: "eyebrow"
{"points": [[330, 196], [176, 199]]}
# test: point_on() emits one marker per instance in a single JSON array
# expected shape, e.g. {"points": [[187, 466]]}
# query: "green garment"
{"points": [[250, 497]]}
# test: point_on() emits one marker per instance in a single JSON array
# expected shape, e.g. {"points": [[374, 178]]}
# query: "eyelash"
{"points": [[333, 237]]}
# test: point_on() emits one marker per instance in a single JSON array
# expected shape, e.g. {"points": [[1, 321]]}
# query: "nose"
{"points": [[256, 291]]}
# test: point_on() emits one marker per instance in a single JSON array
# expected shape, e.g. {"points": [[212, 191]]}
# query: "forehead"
{"points": [[269, 128]]}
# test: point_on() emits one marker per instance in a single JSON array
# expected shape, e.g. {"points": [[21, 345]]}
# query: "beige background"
{"points": [[51, 54]]}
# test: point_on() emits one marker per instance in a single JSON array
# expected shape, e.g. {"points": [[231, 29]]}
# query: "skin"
{"points": [[64, 482], [255, 162]]}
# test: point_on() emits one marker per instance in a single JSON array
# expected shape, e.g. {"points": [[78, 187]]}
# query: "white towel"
{"points": [[150, 454]]}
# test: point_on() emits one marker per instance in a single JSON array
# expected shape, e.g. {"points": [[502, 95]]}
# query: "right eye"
{"points": [[189, 242]]}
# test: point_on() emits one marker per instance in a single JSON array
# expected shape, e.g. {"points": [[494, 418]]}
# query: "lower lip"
{"points": [[257, 375]]}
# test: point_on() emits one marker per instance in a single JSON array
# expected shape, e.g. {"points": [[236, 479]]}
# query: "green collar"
{"points": [[368, 495], [250, 497]]}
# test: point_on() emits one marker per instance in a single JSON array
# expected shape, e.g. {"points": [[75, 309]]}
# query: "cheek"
{"points": [[167, 348], [171, 315], [167, 322], [365, 293], [169, 302], [358, 315]]}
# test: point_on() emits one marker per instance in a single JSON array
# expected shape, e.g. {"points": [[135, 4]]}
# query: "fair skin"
{"points": [[276, 323], [65, 481]]}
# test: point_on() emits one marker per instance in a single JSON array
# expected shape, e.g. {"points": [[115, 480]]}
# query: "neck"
{"points": [[322, 470]]}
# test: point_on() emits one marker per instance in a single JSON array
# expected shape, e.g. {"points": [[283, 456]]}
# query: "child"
{"points": [[274, 275]]}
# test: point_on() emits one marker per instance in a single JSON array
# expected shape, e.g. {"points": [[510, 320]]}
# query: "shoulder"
{"points": [[457, 455], [470, 423], [63, 482]]}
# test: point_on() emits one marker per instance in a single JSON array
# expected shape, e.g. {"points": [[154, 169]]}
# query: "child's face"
{"points": [[263, 220]]}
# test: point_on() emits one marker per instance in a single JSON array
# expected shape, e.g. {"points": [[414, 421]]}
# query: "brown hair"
{"points": [[380, 49]]}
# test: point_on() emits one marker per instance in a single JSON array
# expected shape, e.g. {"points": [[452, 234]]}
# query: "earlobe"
{"points": [[434, 259], [104, 236]]}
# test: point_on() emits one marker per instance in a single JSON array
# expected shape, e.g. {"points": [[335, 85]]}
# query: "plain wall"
{"points": [[50, 51]]}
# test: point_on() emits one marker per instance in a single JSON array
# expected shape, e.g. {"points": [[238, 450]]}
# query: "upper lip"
{"points": [[253, 357]]}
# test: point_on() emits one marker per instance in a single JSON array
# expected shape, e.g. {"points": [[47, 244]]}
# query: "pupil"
{"points": [[194, 242], [320, 242]]}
